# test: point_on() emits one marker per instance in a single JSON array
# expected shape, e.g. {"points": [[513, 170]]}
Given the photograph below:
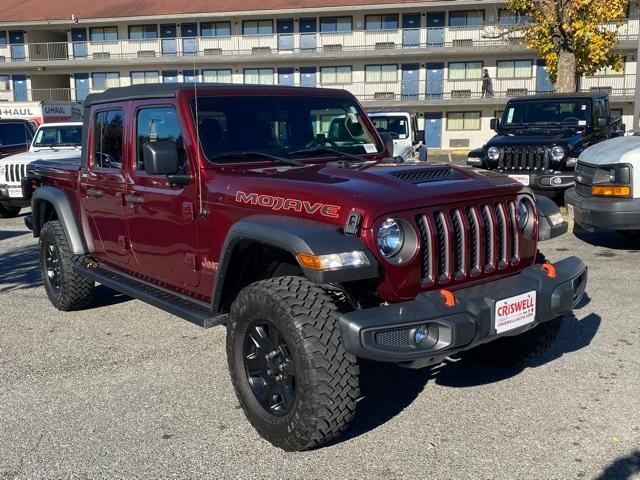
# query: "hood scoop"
{"points": [[426, 175]]}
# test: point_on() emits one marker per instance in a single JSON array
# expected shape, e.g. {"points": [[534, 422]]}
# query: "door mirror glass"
{"points": [[387, 138], [161, 157], [420, 136], [603, 122]]}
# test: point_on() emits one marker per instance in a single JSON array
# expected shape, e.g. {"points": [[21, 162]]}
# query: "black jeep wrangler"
{"points": [[539, 138]]}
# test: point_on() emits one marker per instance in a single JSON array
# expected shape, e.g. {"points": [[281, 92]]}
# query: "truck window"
{"points": [[569, 112], [397, 126], [58, 136], [107, 139], [14, 134], [156, 124]]}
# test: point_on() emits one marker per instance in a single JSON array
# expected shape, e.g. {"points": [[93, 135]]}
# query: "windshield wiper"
{"points": [[268, 156], [350, 156]]}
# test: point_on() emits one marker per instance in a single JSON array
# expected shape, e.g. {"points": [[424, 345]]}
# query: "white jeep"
{"points": [[52, 141]]}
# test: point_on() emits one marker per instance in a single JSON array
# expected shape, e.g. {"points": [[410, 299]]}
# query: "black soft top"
{"points": [[168, 90], [560, 96]]}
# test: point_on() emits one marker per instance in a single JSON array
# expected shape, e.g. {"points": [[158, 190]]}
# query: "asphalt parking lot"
{"points": [[126, 391]]}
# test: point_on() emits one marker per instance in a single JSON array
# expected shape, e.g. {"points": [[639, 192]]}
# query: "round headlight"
{"points": [[526, 216], [390, 238], [557, 153], [493, 153]]}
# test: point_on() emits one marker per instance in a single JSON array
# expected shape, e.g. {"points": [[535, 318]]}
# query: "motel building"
{"points": [[423, 56]]}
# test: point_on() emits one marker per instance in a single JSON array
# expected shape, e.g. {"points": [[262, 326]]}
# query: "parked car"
{"points": [[403, 129], [539, 138], [15, 136], [607, 190], [51, 141], [231, 208]]}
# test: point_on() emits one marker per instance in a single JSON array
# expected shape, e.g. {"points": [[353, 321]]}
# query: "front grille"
{"points": [[459, 243], [583, 176], [524, 158], [15, 172]]}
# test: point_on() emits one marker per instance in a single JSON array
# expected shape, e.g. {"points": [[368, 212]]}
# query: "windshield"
{"points": [[58, 136], [566, 112], [397, 126], [12, 134], [281, 125]]}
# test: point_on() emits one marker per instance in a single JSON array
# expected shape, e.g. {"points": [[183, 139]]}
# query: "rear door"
{"points": [[161, 217], [102, 185]]}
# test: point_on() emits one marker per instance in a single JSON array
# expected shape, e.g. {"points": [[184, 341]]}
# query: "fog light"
{"points": [[425, 336]]}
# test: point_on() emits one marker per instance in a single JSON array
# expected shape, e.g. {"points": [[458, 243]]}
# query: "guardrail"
{"points": [[275, 44]]}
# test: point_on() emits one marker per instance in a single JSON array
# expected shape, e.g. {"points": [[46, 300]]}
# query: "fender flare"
{"points": [[546, 229], [294, 235], [61, 203]]}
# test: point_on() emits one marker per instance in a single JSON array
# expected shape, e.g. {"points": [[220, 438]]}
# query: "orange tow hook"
{"points": [[449, 299], [551, 270]]}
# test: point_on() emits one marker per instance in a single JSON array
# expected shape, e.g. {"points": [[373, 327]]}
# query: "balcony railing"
{"points": [[453, 91], [298, 43]]}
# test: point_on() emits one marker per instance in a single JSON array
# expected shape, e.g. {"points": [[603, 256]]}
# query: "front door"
{"points": [[284, 29], [81, 81], [168, 34], [161, 216], [189, 34], [79, 39], [411, 30], [435, 80], [308, 77], [103, 187], [308, 29], [433, 129], [20, 91], [410, 81], [16, 40], [435, 29]]}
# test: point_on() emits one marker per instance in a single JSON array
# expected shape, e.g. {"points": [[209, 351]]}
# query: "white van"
{"points": [[403, 128], [607, 186]]}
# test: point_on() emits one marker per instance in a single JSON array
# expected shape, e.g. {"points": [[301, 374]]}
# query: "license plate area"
{"points": [[15, 192], [514, 312], [523, 179]]}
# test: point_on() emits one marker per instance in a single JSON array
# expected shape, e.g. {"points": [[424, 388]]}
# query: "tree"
{"points": [[574, 37]]}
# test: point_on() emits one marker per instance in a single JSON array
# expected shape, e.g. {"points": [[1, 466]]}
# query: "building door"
{"points": [[285, 77], [411, 30], [79, 42], [168, 34], [410, 81], [435, 29], [170, 76], [16, 40], [433, 129], [81, 81], [20, 91], [308, 77], [308, 29], [284, 29], [435, 81], [543, 82], [190, 76], [189, 34]]}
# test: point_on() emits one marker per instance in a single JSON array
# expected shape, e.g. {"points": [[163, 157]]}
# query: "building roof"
{"points": [[63, 10]]}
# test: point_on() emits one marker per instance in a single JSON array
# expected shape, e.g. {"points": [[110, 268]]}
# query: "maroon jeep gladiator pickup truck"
{"points": [[271, 210]]}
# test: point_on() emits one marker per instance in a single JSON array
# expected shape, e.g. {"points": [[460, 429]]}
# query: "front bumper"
{"points": [[9, 201], [545, 181], [386, 333], [601, 212]]}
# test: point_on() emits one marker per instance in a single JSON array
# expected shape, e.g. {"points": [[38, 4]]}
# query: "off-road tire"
{"points": [[519, 350], [629, 233], [9, 212], [326, 376], [75, 292]]}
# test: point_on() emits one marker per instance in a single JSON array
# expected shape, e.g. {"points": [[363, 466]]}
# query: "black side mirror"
{"points": [[161, 158], [420, 137], [623, 127], [388, 142], [603, 122], [494, 124]]}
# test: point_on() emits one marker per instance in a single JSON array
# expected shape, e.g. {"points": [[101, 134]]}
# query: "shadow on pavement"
{"points": [[624, 468], [608, 239], [19, 269], [7, 234]]}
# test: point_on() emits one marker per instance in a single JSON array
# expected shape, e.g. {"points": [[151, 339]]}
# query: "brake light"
{"points": [[611, 191]]}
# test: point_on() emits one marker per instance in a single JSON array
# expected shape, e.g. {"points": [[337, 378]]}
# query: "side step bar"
{"points": [[171, 302]]}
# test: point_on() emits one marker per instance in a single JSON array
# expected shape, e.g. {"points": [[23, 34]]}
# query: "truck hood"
{"points": [[614, 150], [28, 157], [537, 137], [374, 192]]}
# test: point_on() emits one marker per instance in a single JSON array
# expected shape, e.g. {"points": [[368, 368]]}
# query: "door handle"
{"points": [[95, 192], [134, 199]]}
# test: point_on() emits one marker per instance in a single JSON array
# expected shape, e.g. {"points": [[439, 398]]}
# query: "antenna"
{"points": [[201, 210]]}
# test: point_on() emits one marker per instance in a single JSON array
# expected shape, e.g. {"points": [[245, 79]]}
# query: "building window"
{"points": [[215, 29], [381, 22], [507, 17], [104, 80], [335, 75], [103, 34], [380, 73], [514, 68], [107, 139], [257, 27], [335, 24], [143, 32], [463, 121], [144, 77], [467, 18], [5, 82], [465, 70], [3, 38], [258, 76], [216, 76]]}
